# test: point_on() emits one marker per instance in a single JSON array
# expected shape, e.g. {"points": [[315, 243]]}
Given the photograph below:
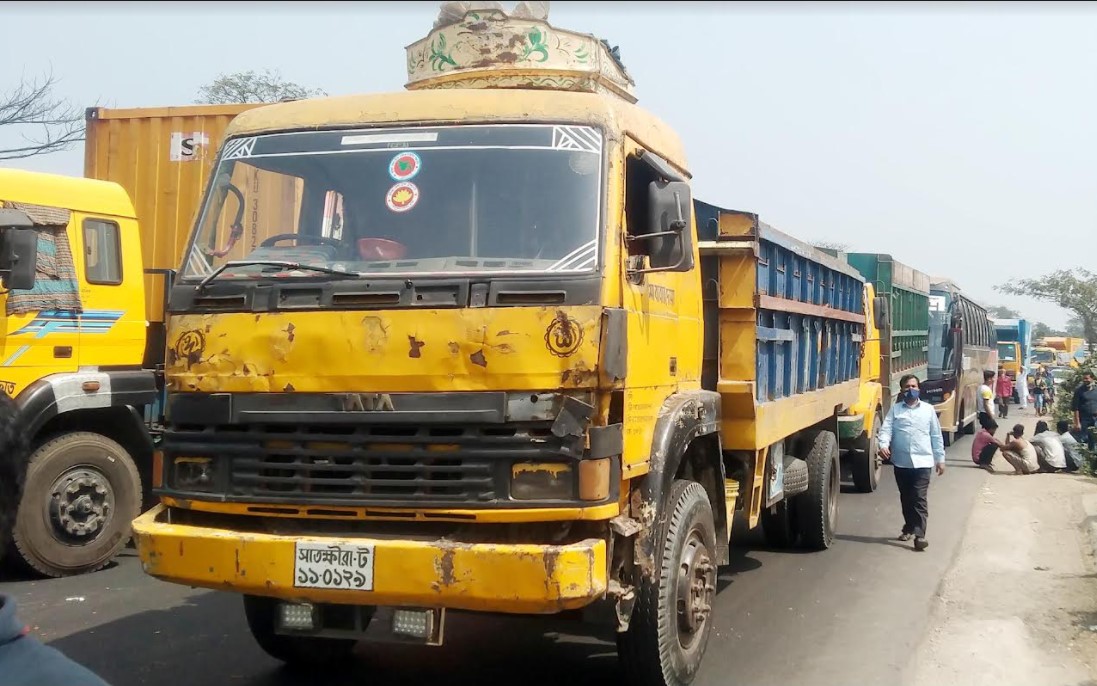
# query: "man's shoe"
{"points": [[920, 543], [905, 536]]}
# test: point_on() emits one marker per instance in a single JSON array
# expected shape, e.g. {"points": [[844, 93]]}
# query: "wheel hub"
{"points": [[81, 503], [696, 586]]}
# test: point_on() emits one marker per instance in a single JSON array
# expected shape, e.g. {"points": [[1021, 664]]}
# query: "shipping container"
{"points": [[904, 344], [162, 156]]}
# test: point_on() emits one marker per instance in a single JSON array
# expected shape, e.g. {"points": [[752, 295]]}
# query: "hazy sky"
{"points": [[959, 138]]}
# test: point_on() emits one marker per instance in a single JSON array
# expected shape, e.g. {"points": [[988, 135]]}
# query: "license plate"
{"points": [[344, 566]]}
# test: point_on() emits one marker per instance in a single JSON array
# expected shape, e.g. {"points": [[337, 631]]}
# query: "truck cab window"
{"points": [[102, 252], [638, 176]]}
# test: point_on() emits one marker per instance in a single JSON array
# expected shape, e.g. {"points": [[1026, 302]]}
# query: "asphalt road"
{"points": [[852, 614]]}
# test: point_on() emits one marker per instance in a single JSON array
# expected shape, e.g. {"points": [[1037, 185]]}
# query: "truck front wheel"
{"points": [[296, 651], [671, 622], [82, 493]]}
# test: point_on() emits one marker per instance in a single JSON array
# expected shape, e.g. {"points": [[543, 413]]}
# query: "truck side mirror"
{"points": [[668, 235], [882, 311], [18, 250]]}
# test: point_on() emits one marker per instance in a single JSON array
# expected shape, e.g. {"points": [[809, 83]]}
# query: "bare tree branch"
{"points": [[31, 105], [251, 86]]}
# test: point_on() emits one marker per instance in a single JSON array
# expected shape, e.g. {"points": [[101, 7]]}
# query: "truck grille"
{"points": [[370, 465]]}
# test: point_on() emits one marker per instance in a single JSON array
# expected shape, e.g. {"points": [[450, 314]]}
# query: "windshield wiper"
{"points": [[286, 266]]}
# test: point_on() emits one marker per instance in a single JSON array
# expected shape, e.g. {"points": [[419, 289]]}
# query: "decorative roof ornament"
{"points": [[481, 45]]}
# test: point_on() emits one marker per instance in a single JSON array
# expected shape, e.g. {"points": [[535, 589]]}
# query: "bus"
{"points": [[962, 344]]}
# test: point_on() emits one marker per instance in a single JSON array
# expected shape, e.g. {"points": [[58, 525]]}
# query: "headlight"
{"points": [[193, 474], [542, 481]]}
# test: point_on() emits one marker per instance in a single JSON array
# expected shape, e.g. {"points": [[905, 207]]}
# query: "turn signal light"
{"points": [[594, 479]]}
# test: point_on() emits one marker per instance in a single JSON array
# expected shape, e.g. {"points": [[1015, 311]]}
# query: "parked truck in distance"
{"points": [[896, 345], [487, 353], [904, 346], [1014, 345]]}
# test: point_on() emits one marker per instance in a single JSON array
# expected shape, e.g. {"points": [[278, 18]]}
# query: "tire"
{"points": [[81, 496], [817, 508], [309, 652], [866, 465], [664, 647], [779, 526]]}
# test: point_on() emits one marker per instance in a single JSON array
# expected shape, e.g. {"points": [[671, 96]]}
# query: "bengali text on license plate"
{"points": [[321, 565]]}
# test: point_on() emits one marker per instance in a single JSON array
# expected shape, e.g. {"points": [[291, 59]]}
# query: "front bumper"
{"points": [[486, 577]]}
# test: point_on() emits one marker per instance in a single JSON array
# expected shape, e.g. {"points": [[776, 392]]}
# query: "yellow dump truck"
{"points": [[487, 353], [71, 356]]}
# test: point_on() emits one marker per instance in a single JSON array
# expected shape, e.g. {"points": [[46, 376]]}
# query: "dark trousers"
{"points": [[1089, 427], [1003, 406], [913, 489], [986, 455]]}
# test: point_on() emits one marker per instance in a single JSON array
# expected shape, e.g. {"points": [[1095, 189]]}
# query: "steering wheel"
{"points": [[312, 240]]}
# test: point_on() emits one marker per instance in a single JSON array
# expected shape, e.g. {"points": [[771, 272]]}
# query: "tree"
{"points": [[1075, 328], [1041, 330], [1074, 290], [32, 105], [1003, 312], [251, 86]]}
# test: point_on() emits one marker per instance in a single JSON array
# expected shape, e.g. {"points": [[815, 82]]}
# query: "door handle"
{"points": [[62, 352]]}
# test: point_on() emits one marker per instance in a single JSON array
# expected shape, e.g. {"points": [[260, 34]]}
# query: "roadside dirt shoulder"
{"points": [[1019, 604]]}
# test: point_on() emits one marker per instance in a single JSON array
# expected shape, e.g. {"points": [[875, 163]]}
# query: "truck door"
{"points": [[112, 325], [41, 325]]}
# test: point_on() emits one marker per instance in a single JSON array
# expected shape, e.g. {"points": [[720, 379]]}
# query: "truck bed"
{"points": [[784, 324]]}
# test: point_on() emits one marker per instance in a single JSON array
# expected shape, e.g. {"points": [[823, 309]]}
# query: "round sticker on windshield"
{"points": [[404, 166], [402, 197]]}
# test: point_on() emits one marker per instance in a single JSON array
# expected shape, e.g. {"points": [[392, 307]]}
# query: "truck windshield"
{"points": [[940, 339], [1043, 356], [1006, 352], [409, 201]]}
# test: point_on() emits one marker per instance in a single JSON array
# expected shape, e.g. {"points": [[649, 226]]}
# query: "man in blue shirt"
{"points": [[911, 437], [25, 661]]}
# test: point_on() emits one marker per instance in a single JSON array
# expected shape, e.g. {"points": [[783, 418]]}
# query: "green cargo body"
{"points": [[905, 348]]}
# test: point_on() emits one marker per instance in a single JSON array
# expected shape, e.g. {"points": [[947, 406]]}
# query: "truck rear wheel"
{"points": [[81, 495], [866, 463], [817, 508], [671, 622], [296, 651]]}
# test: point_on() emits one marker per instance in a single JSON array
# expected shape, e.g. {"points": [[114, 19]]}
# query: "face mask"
{"points": [[912, 394]]}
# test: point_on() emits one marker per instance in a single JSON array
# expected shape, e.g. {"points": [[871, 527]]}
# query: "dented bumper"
{"points": [[487, 577]]}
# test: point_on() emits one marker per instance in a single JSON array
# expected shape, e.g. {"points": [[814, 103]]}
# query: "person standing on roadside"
{"points": [[986, 396], [910, 436], [24, 661], [1084, 406], [1039, 392], [1004, 392]]}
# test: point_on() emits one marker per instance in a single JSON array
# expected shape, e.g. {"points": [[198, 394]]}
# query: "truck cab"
{"points": [[70, 355]]}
